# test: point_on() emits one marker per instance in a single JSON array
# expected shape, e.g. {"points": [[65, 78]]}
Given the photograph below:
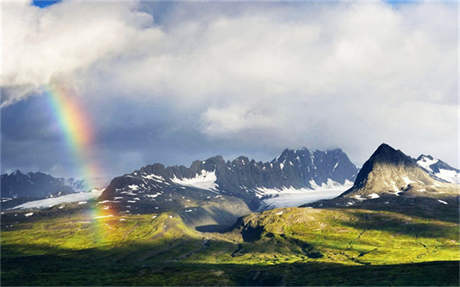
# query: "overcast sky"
{"points": [[172, 82]]}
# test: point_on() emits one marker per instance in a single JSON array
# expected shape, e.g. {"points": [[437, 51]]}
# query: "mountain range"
{"points": [[216, 192], [216, 182], [396, 224], [18, 187]]}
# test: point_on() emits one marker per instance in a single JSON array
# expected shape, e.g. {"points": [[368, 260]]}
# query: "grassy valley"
{"points": [[292, 246]]}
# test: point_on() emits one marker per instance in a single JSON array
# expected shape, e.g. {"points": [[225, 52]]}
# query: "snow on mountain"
{"points": [[425, 162], [289, 197], [293, 172], [393, 181], [82, 197], [448, 175], [18, 188], [439, 169], [203, 180]]}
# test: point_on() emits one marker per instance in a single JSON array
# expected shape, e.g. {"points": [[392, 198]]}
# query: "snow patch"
{"points": [[448, 175], [128, 193], [442, 201], [358, 197], [335, 166], [204, 180], [153, 195], [154, 177], [28, 214], [73, 197], [133, 187], [425, 162], [373, 196]]}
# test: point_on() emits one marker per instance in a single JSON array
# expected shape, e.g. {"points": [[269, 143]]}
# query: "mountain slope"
{"points": [[388, 170], [439, 169], [391, 180], [159, 188], [18, 187]]}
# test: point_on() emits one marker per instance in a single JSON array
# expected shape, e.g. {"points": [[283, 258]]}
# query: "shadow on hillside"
{"points": [[214, 228], [400, 225], [121, 266], [420, 206]]}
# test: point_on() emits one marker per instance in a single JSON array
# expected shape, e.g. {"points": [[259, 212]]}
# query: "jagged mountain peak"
{"points": [[242, 177]]}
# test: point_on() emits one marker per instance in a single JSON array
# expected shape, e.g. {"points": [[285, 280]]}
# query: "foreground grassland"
{"points": [[294, 246]]}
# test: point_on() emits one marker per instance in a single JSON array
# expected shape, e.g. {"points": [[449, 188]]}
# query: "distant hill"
{"points": [[18, 187]]}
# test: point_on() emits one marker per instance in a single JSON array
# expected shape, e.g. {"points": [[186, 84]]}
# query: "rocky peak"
{"points": [[388, 155]]}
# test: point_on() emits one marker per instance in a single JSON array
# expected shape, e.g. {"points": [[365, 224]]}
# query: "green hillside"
{"points": [[294, 246]]}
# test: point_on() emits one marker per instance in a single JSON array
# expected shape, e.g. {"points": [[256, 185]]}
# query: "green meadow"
{"points": [[292, 246]]}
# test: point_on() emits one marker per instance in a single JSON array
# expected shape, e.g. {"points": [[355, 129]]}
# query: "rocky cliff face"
{"points": [[157, 187]]}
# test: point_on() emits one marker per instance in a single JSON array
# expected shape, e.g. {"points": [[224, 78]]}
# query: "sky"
{"points": [[173, 82]]}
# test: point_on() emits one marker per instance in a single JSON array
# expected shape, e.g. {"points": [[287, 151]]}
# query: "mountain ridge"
{"points": [[241, 177], [18, 187]]}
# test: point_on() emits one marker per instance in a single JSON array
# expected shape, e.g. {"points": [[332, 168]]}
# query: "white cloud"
{"points": [[64, 40], [349, 75]]}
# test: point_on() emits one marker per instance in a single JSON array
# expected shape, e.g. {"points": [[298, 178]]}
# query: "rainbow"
{"points": [[75, 124]]}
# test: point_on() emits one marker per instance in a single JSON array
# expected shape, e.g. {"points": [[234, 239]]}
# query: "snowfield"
{"points": [[205, 180], [451, 176], [49, 202], [448, 175], [291, 197]]}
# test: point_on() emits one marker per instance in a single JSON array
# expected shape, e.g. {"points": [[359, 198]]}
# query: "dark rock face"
{"points": [[18, 187], [152, 185]]}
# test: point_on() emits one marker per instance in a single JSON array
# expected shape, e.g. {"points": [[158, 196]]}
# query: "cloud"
{"points": [[63, 40], [268, 75]]}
